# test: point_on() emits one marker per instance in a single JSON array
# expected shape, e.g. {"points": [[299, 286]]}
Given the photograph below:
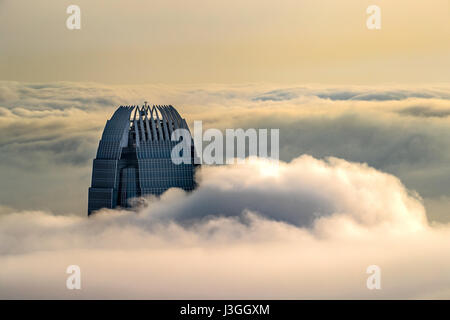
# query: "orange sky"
{"points": [[233, 41]]}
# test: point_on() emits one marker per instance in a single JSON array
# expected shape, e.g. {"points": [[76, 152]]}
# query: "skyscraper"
{"points": [[134, 157]]}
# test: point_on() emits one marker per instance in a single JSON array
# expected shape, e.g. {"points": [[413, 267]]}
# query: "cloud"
{"points": [[319, 227], [277, 95], [354, 93], [425, 112], [382, 95], [49, 132], [295, 193]]}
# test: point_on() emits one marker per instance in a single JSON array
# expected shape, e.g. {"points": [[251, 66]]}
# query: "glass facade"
{"points": [[134, 157]]}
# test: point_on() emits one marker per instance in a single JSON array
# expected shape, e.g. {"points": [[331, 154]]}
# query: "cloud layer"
{"points": [[307, 229], [49, 132]]}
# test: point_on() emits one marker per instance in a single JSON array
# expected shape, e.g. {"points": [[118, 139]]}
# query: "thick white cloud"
{"points": [[306, 229]]}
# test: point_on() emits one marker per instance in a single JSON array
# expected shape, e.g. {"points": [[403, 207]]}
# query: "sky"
{"points": [[131, 42], [364, 175]]}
